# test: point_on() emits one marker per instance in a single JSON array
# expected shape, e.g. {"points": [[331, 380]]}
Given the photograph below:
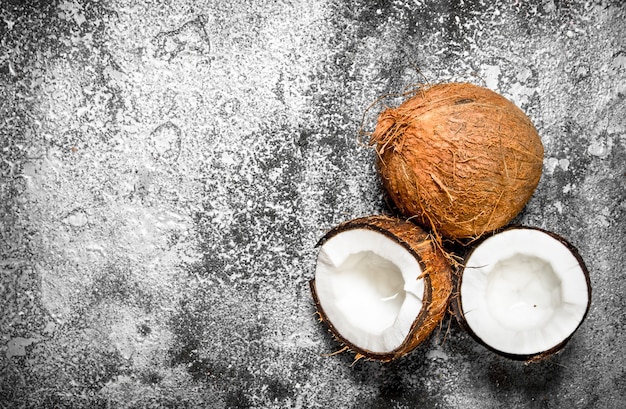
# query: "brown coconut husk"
{"points": [[458, 158], [436, 272]]}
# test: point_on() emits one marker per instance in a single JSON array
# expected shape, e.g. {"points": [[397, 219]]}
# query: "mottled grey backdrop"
{"points": [[166, 168]]}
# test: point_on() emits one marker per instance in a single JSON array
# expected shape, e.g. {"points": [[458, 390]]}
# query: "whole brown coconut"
{"points": [[458, 158]]}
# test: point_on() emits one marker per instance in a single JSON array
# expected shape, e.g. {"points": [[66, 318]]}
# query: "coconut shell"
{"points": [[458, 158], [457, 307], [436, 272]]}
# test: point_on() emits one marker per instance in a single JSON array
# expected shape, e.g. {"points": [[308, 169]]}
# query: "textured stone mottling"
{"points": [[166, 169]]}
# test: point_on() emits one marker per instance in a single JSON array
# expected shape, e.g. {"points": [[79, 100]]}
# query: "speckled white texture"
{"points": [[167, 167]]}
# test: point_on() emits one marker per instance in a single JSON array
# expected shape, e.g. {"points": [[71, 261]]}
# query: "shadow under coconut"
{"points": [[381, 385], [400, 383], [537, 383]]}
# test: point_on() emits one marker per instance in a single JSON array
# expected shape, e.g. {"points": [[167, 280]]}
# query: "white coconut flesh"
{"points": [[523, 292], [367, 285]]}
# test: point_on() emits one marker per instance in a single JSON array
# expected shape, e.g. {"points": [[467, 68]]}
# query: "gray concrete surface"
{"points": [[166, 168]]}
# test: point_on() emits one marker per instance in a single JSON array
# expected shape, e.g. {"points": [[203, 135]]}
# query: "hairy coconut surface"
{"points": [[383, 252], [522, 293], [459, 158]]}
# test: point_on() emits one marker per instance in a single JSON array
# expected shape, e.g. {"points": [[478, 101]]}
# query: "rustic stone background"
{"points": [[166, 168]]}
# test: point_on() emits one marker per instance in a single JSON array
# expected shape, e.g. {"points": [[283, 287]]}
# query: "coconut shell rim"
{"points": [[401, 350], [457, 311], [406, 346]]}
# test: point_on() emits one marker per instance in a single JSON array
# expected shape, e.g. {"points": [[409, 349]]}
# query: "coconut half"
{"points": [[381, 285], [522, 293]]}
